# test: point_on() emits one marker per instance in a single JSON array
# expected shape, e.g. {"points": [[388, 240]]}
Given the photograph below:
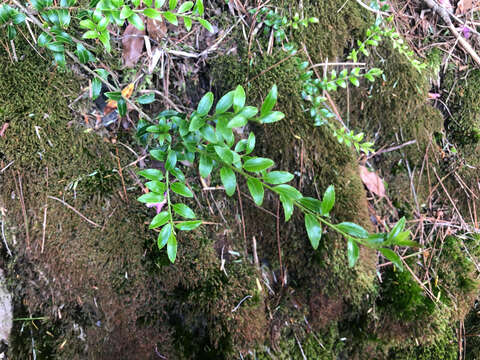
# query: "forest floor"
{"points": [[86, 276]]}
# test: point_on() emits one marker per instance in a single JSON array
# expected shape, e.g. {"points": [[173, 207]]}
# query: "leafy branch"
{"points": [[208, 142]]}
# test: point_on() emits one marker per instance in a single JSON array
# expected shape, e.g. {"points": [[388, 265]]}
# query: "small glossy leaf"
{"points": [[185, 7], [151, 174], [312, 204], [314, 230], [171, 160], [172, 248], [188, 225], [187, 21], [229, 180], [87, 24], [136, 21], [160, 220], [181, 189], [151, 197], [96, 88], [397, 229], [271, 117], [208, 133], [184, 211], [258, 164], [256, 189], [269, 101], [225, 103], [352, 252], [178, 174], [205, 104], [250, 143], [126, 12], [224, 154], [146, 99], [328, 200], [164, 235], [205, 166], [156, 186], [288, 191], [237, 121], [278, 177], [287, 204], [196, 122], [171, 18], [239, 98], [172, 4], [353, 230], [393, 257], [122, 107], [206, 25]]}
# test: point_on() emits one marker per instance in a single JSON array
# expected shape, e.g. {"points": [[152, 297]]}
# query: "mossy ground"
{"points": [[114, 286]]}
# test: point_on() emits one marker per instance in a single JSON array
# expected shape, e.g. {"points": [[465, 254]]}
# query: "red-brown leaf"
{"points": [[132, 42], [372, 181]]}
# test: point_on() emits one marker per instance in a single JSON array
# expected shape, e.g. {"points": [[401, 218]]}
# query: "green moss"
{"points": [[464, 124]]}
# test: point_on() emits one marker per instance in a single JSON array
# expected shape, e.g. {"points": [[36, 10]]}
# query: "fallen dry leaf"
{"points": [[132, 42], [112, 104], [157, 30], [372, 181], [464, 6]]}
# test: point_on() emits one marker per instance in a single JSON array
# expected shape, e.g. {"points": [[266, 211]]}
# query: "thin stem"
{"points": [[168, 200]]}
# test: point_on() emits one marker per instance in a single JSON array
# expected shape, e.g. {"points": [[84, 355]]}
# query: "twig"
{"points": [[390, 149], [6, 167], [372, 9], [254, 251], [3, 233], [121, 175], [445, 15], [24, 211], [337, 64], [243, 222], [240, 303], [75, 211], [300, 346]]}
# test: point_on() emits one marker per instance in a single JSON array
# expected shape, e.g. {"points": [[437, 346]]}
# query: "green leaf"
{"points": [[188, 225], [87, 24], [156, 186], [186, 6], [126, 12], [151, 198], [225, 103], [172, 248], [397, 229], [96, 88], [352, 252], [328, 200], [5, 12], [122, 107], [312, 204], [184, 211], [136, 21], [164, 235], [287, 204], [102, 25], [171, 160], [314, 230], [160, 220], [196, 122], [256, 189], [393, 257], [55, 46], [224, 154], [258, 164], [104, 38], [181, 189], [199, 7], [250, 143], [269, 101], [152, 13], [83, 54], [205, 166], [178, 174], [206, 25], [172, 4], [208, 133], [248, 112], [18, 18], [187, 21], [171, 18], [353, 230], [43, 39], [151, 174], [239, 98], [91, 34], [237, 121], [271, 117], [229, 180], [278, 177], [288, 191], [205, 104], [402, 239], [146, 99], [158, 154], [11, 32], [159, 3]]}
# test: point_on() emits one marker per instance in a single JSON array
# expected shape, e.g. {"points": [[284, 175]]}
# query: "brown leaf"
{"points": [[157, 30], [372, 181], [132, 42], [464, 6]]}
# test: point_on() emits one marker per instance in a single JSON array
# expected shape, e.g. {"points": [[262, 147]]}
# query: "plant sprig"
{"points": [[208, 142]]}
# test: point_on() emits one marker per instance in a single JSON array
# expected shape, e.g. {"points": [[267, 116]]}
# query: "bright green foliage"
{"points": [[209, 139]]}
